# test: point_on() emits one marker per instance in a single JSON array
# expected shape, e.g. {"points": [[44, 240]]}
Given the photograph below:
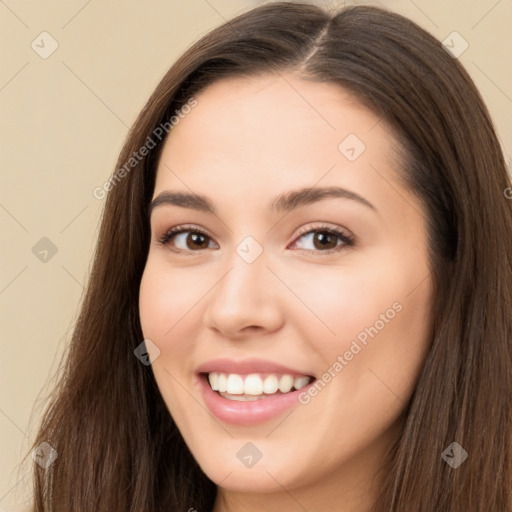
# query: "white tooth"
{"points": [[222, 383], [286, 383], [300, 382], [270, 385], [253, 384], [213, 378], [241, 398], [235, 384]]}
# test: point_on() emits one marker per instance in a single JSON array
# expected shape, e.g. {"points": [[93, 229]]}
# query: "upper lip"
{"points": [[246, 366]]}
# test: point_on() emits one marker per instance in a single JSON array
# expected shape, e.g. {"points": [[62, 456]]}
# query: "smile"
{"points": [[255, 386], [250, 391]]}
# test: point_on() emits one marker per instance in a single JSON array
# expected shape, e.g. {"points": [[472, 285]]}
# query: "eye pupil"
{"points": [[198, 239], [324, 238]]}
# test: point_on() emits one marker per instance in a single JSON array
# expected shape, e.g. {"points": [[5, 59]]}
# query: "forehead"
{"points": [[284, 105], [273, 129]]}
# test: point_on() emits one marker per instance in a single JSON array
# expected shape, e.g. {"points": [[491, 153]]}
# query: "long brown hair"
{"points": [[118, 447]]}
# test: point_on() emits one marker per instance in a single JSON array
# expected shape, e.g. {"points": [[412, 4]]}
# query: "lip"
{"points": [[247, 413], [247, 366]]}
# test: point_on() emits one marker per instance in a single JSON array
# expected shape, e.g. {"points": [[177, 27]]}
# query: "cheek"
{"points": [[375, 317], [166, 297], [372, 364], [168, 308], [344, 303], [156, 305]]}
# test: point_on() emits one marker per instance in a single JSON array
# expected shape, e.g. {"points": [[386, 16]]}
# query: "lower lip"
{"points": [[247, 413]]}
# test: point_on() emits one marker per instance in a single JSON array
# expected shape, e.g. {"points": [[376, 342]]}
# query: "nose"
{"points": [[245, 301]]}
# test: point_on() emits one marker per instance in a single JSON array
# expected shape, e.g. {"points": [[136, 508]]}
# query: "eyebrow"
{"points": [[285, 202]]}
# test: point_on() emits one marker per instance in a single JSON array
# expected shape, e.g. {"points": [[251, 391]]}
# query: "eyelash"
{"points": [[347, 241]]}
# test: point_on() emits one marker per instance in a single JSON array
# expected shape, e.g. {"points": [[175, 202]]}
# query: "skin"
{"points": [[247, 141]]}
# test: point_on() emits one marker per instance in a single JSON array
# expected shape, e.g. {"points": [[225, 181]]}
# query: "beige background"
{"points": [[64, 119]]}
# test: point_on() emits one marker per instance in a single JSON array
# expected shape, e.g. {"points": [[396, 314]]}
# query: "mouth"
{"points": [[254, 386], [250, 391]]}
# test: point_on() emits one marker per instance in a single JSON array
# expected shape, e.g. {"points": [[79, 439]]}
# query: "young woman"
{"points": [[301, 297]]}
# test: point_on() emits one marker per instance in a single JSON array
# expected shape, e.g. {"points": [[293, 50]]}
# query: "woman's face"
{"points": [[301, 262]]}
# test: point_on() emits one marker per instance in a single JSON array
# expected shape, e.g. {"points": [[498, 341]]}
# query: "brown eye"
{"points": [[187, 240], [324, 240], [196, 241]]}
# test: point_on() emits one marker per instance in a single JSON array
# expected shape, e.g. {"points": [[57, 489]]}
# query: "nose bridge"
{"points": [[242, 297], [245, 277]]}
